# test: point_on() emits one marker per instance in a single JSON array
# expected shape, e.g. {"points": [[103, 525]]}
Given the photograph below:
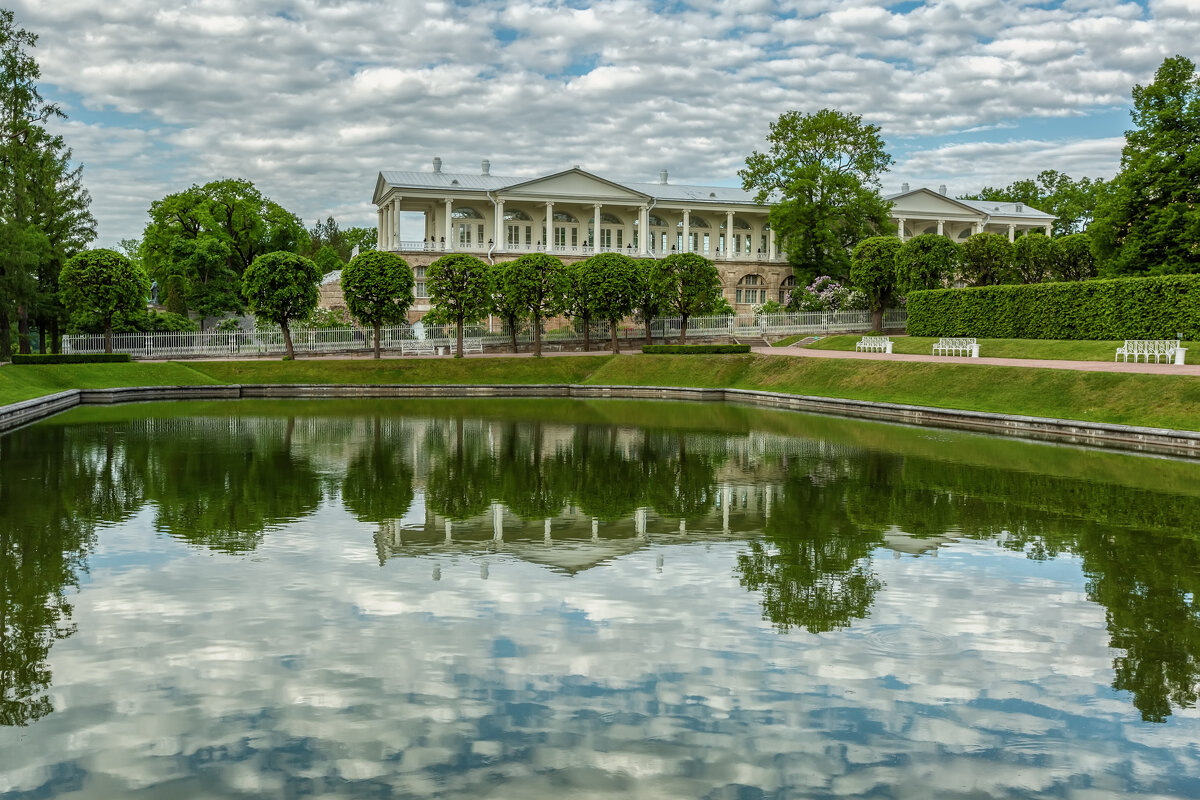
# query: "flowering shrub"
{"points": [[826, 294]]}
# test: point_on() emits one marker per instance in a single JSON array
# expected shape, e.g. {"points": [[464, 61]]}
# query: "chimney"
{"points": [[942, 189], [904, 187], [437, 164], [486, 167], [662, 176]]}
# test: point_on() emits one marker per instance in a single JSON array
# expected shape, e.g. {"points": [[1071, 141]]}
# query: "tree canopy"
{"points": [[281, 287], [821, 173], [460, 290], [1072, 202], [873, 270], [926, 261], [686, 285], [101, 283], [1033, 257], [1148, 222], [539, 284], [612, 283], [986, 260], [378, 290]]}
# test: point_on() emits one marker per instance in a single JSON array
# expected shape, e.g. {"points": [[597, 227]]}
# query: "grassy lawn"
{"points": [[791, 340], [1158, 400], [1054, 349]]}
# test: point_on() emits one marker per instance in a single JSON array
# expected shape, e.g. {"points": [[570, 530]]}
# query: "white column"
{"points": [[449, 532], [497, 522], [901, 230], [449, 231], [1049, 230], [396, 223], [941, 227], [979, 227], [644, 231], [728, 252], [639, 522], [726, 501], [549, 225], [379, 228], [1012, 233], [595, 530], [546, 532], [596, 228], [501, 238], [771, 244], [687, 231]]}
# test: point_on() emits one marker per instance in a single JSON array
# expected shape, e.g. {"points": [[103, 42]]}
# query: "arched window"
{"points": [[930, 229], [657, 222], [517, 215], [694, 222], [748, 290], [562, 216], [739, 224], [966, 233], [466, 212], [786, 287], [606, 219]]}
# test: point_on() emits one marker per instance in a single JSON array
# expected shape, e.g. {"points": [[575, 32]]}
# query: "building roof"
{"points": [[988, 207]]}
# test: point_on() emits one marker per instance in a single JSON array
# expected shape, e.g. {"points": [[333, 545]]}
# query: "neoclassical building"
{"points": [[575, 213]]}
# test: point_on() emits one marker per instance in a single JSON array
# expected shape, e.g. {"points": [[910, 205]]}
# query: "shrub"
{"points": [[987, 260], [73, 358], [694, 349], [925, 261], [1121, 308]]}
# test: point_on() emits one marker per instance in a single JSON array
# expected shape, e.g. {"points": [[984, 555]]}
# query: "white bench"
{"points": [[417, 346], [1161, 350], [874, 344], [956, 346]]}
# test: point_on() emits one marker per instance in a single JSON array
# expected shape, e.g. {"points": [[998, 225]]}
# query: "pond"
{"points": [[545, 599]]}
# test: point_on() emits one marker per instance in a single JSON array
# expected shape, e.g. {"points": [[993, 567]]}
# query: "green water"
{"points": [[587, 599]]}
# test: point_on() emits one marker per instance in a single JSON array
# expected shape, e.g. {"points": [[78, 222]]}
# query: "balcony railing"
{"points": [[580, 251]]}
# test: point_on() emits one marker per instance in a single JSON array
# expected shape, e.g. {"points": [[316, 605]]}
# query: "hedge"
{"points": [[75, 358], [695, 349], [1121, 308]]}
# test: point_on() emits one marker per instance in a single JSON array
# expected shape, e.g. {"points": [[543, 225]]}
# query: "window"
{"points": [[693, 222], [658, 222], [517, 215], [562, 216], [786, 287], [466, 212]]}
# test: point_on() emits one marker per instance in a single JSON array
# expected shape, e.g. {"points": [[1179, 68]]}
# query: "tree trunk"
{"points": [[378, 331], [287, 340], [41, 336], [649, 338], [512, 330], [587, 333], [108, 335], [23, 330], [5, 334], [537, 336], [877, 320], [458, 332], [683, 328], [616, 343], [55, 337]]}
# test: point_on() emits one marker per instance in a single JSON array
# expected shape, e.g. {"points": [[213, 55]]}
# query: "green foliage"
{"points": [[460, 290], [1034, 256], [609, 284], [101, 283], [1073, 258], [1123, 308], [771, 307], [328, 319], [873, 269], [686, 285], [281, 287], [363, 238], [539, 284], [378, 290], [987, 260], [72, 358], [1072, 202], [825, 169], [926, 261], [1149, 220], [228, 326], [694, 349], [327, 260]]}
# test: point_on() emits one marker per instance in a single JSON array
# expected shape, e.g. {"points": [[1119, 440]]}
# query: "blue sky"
{"points": [[311, 98]]}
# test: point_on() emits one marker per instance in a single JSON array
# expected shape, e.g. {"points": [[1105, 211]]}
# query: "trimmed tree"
{"points": [[280, 287], [508, 308], [100, 284], [925, 262], [579, 300], [986, 260], [460, 291], [873, 271], [1033, 257], [1073, 258], [539, 284], [687, 285], [610, 281], [646, 303], [378, 289]]}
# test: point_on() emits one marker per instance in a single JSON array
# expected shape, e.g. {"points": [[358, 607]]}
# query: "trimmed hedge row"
{"points": [[695, 349], [75, 358], [1120, 308]]}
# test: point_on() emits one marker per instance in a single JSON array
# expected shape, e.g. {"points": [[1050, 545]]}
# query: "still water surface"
{"points": [[548, 599]]}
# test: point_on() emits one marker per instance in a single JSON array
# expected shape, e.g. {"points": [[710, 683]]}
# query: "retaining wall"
{"points": [[1094, 434]]}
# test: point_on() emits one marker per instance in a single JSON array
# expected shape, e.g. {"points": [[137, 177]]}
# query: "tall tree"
{"points": [[539, 284], [1149, 220], [1072, 202], [873, 271], [687, 285], [281, 287], [378, 288], [460, 291], [821, 175], [100, 284]]}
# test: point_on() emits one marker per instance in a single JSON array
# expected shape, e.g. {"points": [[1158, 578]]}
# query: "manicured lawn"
{"points": [[791, 340], [1054, 349], [1158, 400]]}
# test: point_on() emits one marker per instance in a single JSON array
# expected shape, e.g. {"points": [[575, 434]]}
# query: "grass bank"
{"points": [[1166, 401], [1053, 349]]}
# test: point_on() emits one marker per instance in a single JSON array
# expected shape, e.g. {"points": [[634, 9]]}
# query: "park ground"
{"points": [[1131, 398]]}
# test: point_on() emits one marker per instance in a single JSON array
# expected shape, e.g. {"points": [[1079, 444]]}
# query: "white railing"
{"points": [[334, 340], [580, 251]]}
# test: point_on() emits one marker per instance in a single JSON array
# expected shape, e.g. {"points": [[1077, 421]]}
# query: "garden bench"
{"points": [[1161, 350], [417, 346], [874, 344], [955, 346], [472, 344]]}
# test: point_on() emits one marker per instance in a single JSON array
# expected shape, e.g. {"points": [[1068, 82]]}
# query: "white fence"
{"points": [[340, 340]]}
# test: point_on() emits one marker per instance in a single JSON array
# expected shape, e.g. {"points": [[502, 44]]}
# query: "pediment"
{"points": [[574, 185], [928, 202]]}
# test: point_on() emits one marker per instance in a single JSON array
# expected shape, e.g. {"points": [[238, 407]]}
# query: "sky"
{"points": [[310, 99]]}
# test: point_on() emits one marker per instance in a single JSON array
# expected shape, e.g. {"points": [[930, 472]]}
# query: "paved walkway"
{"points": [[1079, 366]]}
